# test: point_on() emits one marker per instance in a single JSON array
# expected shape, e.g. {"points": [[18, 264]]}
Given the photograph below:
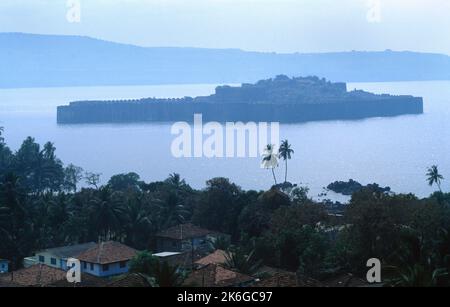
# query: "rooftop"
{"points": [[218, 257], [39, 275], [87, 281], [183, 232], [131, 281], [107, 252], [69, 251], [214, 275]]}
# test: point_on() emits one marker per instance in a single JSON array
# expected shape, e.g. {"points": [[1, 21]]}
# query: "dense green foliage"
{"points": [[41, 206], [163, 274]]}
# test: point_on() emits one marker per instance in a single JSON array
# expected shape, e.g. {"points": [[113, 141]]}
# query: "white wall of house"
{"points": [[48, 259], [110, 269]]}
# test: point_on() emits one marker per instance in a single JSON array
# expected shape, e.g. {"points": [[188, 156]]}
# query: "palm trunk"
{"points": [[440, 196], [286, 172], [274, 178]]}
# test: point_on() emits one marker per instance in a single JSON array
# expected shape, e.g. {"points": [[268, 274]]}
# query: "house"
{"points": [[214, 275], [106, 259], [41, 275], [218, 257], [185, 237], [4, 266], [57, 257]]}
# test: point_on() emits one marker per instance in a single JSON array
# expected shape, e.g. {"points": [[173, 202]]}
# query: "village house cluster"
{"points": [[186, 246]]}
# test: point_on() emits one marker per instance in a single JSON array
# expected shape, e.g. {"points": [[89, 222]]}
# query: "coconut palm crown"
{"points": [[270, 160]]}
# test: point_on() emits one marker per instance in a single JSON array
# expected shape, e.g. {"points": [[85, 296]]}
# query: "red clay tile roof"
{"points": [[87, 281], [41, 275], [183, 232], [214, 275], [107, 252], [131, 281], [38, 275], [218, 257]]}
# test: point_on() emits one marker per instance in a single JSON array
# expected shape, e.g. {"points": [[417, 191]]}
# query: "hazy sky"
{"points": [[262, 25]]}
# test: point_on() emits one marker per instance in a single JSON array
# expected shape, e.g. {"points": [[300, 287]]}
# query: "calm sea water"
{"points": [[393, 152]]}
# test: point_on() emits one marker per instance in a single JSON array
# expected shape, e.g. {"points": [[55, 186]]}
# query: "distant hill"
{"points": [[29, 60]]}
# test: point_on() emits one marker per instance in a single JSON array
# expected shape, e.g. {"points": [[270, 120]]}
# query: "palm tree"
{"points": [[286, 153], [167, 276], [270, 160], [242, 262], [137, 221], [433, 177], [160, 272], [170, 209], [421, 264], [106, 213], [16, 231], [176, 181], [59, 214], [221, 242], [50, 172], [417, 275]]}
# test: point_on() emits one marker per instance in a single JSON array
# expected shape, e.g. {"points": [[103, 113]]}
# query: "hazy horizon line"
{"points": [[230, 49]]}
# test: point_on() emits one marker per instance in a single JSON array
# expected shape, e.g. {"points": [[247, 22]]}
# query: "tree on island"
{"points": [[270, 160], [434, 177], [286, 153]]}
